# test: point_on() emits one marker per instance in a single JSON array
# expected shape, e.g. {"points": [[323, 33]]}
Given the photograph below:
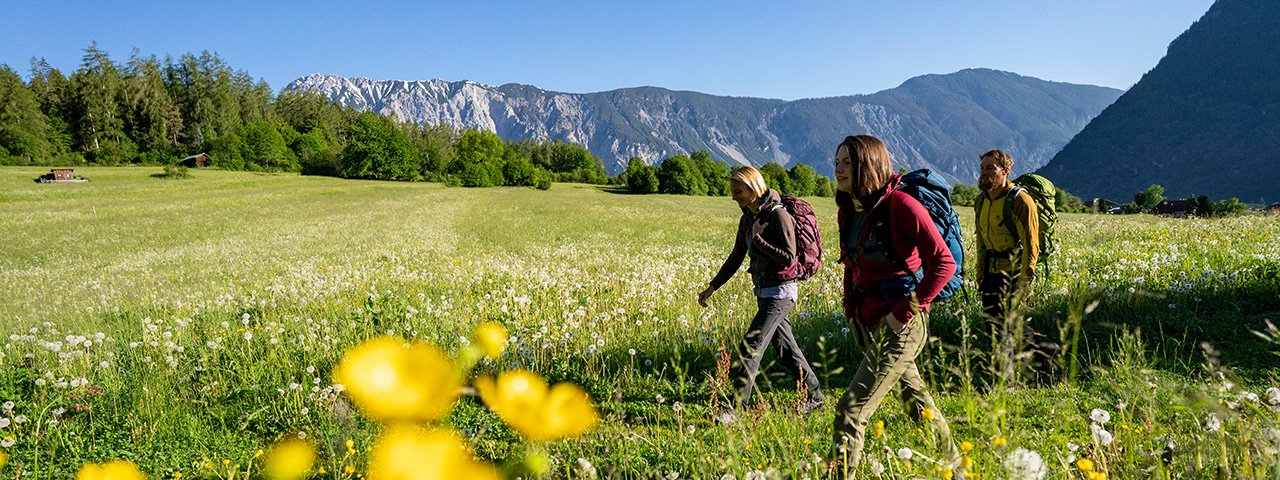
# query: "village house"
{"points": [[1174, 208]]}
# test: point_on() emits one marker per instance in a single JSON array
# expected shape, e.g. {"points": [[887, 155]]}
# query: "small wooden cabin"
{"points": [[59, 175], [62, 174], [197, 160]]}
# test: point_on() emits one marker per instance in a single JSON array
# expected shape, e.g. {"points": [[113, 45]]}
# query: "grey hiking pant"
{"points": [[888, 359], [770, 323]]}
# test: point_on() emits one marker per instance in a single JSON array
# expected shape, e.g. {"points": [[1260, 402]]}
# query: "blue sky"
{"points": [[773, 49]]}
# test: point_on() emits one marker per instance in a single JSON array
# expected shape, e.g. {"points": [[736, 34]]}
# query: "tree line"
{"points": [[698, 174], [152, 112]]}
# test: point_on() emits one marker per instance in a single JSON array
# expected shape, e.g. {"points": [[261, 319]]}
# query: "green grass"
{"points": [[224, 300]]}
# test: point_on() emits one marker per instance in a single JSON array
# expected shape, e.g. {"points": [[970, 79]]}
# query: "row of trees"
{"points": [[148, 111], [963, 195], [698, 174], [1197, 206], [1143, 202]]}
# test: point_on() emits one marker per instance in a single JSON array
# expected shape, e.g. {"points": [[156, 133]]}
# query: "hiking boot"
{"points": [[812, 405]]}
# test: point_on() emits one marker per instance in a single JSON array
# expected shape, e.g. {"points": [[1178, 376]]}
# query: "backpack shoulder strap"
{"points": [[1009, 199], [884, 235]]}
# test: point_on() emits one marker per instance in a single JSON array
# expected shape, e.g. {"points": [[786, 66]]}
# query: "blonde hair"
{"points": [[872, 165], [751, 178]]}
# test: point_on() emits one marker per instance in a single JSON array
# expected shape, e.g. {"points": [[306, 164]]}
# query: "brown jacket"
{"points": [[773, 250]]}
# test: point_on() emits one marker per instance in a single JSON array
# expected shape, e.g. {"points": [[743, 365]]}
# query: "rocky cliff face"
{"points": [[936, 121]]}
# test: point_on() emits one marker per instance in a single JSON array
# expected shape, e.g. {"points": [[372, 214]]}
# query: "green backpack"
{"points": [[1045, 195]]}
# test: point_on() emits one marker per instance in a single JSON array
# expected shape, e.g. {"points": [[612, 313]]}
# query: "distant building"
{"points": [[1174, 208], [197, 160], [1101, 205], [59, 175]]}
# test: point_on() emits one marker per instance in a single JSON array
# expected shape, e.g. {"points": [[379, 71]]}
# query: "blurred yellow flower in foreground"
{"points": [[492, 338], [113, 470], [407, 452], [4, 458], [390, 381], [525, 402], [290, 459], [1085, 464]]}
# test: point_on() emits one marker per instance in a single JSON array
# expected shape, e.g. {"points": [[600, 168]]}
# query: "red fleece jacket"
{"points": [[915, 238]]}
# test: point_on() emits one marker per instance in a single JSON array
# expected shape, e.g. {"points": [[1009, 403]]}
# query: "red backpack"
{"points": [[808, 240]]}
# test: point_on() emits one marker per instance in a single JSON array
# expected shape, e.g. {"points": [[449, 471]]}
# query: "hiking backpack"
{"points": [[934, 194], [1045, 196], [808, 239]]}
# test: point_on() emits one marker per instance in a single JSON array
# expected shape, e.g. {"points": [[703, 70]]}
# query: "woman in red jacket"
{"points": [[887, 306]]}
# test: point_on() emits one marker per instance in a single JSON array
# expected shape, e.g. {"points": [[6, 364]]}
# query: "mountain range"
{"points": [[1204, 121], [940, 122]]}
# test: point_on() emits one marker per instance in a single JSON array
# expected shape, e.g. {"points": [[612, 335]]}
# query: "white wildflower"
{"points": [[1025, 464], [1100, 435], [1212, 423], [584, 469], [905, 453], [1100, 416]]}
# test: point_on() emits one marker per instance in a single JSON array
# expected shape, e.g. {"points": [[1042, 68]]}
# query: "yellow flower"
{"points": [[351, 446], [1097, 476], [177, 475], [966, 446], [927, 414], [1085, 464], [966, 462], [391, 382], [525, 402], [290, 459], [4, 458], [946, 473], [1001, 441], [405, 452], [879, 430], [349, 469], [113, 470], [492, 338]]}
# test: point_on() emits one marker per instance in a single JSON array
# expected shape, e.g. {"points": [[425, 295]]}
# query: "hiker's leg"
{"points": [[915, 397], [881, 367], [794, 361], [769, 313]]}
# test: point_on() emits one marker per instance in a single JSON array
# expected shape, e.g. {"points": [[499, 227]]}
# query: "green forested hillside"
{"points": [[1204, 121]]}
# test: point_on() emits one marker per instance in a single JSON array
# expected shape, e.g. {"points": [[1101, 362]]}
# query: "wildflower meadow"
{"points": [[238, 325]]}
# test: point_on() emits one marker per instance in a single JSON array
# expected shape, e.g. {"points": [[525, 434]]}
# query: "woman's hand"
{"points": [[893, 324], [702, 297]]}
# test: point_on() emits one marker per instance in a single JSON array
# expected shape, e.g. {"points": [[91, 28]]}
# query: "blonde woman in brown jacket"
{"points": [[767, 236]]}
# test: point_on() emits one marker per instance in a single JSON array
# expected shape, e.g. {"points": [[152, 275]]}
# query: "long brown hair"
{"points": [[872, 165]]}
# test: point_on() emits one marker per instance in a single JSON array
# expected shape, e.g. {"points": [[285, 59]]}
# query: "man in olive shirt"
{"points": [[1007, 247]]}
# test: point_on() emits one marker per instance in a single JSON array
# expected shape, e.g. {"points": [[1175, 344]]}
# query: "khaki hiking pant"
{"points": [[888, 359]]}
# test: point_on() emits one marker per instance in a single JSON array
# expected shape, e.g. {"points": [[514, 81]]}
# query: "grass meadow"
{"points": [[186, 325]]}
